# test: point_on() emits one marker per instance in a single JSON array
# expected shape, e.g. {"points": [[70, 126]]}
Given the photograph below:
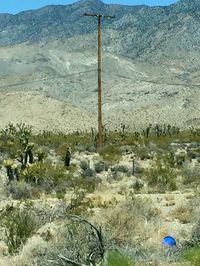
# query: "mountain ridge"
{"points": [[151, 63], [140, 29]]}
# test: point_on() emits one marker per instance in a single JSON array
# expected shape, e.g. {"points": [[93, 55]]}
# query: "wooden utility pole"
{"points": [[100, 120]]}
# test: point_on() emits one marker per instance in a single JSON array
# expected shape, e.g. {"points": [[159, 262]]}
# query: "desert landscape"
{"points": [[64, 202]]}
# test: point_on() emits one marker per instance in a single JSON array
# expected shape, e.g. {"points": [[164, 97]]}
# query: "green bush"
{"points": [[100, 166], [161, 174], [115, 258], [86, 182], [46, 176], [111, 153], [19, 225], [192, 256]]}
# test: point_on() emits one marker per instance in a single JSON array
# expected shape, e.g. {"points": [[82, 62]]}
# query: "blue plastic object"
{"points": [[169, 241]]}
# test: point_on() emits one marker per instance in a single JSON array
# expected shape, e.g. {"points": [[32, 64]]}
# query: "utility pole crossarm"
{"points": [[91, 15], [98, 15]]}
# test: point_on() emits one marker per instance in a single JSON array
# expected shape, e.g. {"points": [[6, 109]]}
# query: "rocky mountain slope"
{"points": [[140, 31], [150, 62]]}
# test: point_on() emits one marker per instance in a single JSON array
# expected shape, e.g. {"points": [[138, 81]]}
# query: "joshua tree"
{"points": [[21, 159], [29, 153], [12, 170], [68, 157]]}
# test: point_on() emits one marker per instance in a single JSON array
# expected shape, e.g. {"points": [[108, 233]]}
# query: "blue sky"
{"points": [[14, 6]]}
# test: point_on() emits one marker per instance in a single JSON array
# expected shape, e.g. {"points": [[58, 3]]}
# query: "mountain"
{"points": [[139, 32], [151, 61], [54, 22]]}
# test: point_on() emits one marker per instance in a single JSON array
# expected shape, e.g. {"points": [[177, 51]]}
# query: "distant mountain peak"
{"points": [[90, 2]]}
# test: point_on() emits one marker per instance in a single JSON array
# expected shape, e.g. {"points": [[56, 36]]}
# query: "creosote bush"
{"points": [[161, 174], [19, 225]]}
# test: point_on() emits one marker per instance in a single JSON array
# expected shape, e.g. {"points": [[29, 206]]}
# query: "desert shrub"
{"points": [[111, 153], [195, 131], [84, 164], [118, 172], [137, 184], [88, 172], [46, 176], [137, 168], [115, 258], [161, 174], [182, 213], [191, 173], [86, 182], [19, 225], [192, 256], [190, 249], [126, 223], [76, 201], [120, 168], [20, 190], [41, 154], [195, 238], [100, 166], [142, 152], [77, 241]]}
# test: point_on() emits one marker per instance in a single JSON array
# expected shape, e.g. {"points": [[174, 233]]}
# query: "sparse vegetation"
{"points": [[19, 225], [20, 190], [131, 164], [192, 256], [161, 174], [183, 214], [115, 258]]}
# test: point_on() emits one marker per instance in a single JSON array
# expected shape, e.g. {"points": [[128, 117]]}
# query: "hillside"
{"points": [[150, 61], [166, 33]]}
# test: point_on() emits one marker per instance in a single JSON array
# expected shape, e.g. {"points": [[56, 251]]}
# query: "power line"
{"points": [[94, 70], [155, 82], [46, 79]]}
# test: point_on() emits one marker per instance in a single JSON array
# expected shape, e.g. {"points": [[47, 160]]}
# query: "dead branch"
{"points": [[70, 261]]}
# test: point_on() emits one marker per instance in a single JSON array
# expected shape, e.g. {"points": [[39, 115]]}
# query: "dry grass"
{"points": [[182, 213]]}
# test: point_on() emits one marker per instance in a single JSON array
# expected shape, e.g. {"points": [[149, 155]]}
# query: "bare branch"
{"points": [[70, 261], [97, 231]]}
